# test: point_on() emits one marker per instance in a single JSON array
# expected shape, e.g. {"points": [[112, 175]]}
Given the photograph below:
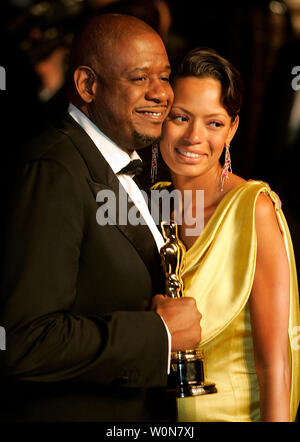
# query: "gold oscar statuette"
{"points": [[186, 376]]}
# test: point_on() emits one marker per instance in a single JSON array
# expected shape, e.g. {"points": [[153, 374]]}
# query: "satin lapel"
{"points": [[102, 177]]}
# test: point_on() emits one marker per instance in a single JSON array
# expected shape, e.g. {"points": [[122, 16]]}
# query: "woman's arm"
{"points": [[269, 310]]}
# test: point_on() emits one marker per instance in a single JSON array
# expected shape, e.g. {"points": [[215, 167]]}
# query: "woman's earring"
{"points": [[154, 162], [226, 168]]}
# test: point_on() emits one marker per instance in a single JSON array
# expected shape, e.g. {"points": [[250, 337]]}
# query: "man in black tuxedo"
{"points": [[87, 333]]}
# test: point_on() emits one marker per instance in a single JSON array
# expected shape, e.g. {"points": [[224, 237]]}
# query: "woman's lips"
{"points": [[188, 156]]}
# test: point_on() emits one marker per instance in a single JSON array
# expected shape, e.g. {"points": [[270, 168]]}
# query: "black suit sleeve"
{"points": [[45, 342]]}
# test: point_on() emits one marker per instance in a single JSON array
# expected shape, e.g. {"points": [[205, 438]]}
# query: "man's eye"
{"points": [[167, 79], [139, 79]]}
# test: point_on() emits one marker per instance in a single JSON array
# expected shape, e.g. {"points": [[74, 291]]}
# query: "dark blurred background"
{"points": [[261, 37]]}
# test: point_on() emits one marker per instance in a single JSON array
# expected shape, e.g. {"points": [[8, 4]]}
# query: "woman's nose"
{"points": [[194, 133]]}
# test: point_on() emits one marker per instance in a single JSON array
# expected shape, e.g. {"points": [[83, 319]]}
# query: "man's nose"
{"points": [[158, 90]]}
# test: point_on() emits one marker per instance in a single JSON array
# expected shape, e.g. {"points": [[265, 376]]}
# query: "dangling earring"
{"points": [[153, 173], [226, 168]]}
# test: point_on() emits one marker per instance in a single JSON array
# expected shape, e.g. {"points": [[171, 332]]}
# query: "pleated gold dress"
{"points": [[218, 273]]}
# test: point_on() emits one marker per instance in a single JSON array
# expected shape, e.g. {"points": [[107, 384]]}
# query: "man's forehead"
{"points": [[139, 54], [137, 42]]}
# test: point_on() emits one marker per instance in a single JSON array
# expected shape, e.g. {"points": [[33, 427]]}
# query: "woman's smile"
{"points": [[188, 156]]}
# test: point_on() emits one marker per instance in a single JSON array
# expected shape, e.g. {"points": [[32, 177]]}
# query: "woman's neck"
{"points": [[198, 208], [209, 183]]}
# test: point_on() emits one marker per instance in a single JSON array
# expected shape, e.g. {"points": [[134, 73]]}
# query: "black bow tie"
{"points": [[135, 167]]}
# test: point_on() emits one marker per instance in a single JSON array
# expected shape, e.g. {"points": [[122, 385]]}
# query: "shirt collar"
{"points": [[112, 153]]}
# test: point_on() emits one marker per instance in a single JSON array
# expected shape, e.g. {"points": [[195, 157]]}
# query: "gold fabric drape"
{"points": [[218, 273]]}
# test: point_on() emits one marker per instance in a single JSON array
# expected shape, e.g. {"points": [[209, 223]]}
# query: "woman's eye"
{"points": [[215, 124], [180, 118]]}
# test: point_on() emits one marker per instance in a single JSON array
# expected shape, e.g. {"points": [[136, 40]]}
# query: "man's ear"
{"points": [[85, 83]]}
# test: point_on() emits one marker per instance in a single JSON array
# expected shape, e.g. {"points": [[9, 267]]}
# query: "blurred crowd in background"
{"points": [[261, 37]]}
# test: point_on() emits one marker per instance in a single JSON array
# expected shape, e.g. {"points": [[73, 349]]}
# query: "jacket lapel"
{"points": [[102, 177]]}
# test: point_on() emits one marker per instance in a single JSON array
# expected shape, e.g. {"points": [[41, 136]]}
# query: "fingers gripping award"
{"points": [[187, 368]]}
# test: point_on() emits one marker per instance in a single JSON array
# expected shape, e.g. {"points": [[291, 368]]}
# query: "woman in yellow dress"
{"points": [[241, 268]]}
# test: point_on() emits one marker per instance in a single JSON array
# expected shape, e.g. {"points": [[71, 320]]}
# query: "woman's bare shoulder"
{"points": [[234, 181]]}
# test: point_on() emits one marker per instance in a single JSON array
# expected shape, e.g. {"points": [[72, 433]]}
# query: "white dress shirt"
{"points": [[117, 159]]}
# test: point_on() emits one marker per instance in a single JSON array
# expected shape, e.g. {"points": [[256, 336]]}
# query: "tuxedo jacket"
{"points": [[81, 341]]}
